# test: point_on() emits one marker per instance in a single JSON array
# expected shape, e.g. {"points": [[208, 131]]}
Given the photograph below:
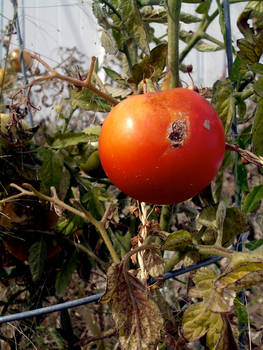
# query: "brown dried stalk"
{"points": [[76, 82], [247, 155]]}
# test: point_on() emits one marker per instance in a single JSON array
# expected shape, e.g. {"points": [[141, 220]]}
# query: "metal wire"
{"points": [[96, 297], [22, 61]]}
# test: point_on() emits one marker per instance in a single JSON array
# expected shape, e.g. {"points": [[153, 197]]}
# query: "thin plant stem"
{"points": [[174, 8], [28, 190]]}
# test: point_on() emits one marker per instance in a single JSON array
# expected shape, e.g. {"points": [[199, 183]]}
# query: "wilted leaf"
{"points": [[136, 315], [72, 139], [253, 199], [178, 239], [255, 9], [242, 276], [257, 131], [121, 92], [204, 280], [215, 331], [203, 46], [108, 42], [87, 100], [235, 223], [36, 259], [153, 262], [159, 15], [249, 52], [132, 21], [65, 274], [220, 335], [220, 217], [224, 102], [196, 321]]}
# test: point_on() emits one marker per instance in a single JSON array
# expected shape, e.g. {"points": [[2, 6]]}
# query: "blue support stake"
{"points": [[234, 130]]}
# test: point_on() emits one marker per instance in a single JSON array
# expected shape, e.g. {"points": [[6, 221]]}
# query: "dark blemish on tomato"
{"points": [[177, 132]]}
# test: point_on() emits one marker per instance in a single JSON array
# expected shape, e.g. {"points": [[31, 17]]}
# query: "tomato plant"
{"points": [[162, 147]]}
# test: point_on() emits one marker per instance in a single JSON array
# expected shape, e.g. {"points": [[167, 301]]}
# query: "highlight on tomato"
{"points": [[162, 147]]}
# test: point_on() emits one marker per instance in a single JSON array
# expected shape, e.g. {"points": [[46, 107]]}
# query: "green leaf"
{"points": [[188, 18], [151, 66], [236, 74], [250, 52], [257, 68], [204, 7], [178, 239], [208, 217], [240, 311], [93, 131], [224, 102], [36, 259], [72, 139], [132, 22], [87, 100], [258, 87], [256, 14], [136, 315], [253, 199], [53, 173], [254, 244], [64, 276], [235, 223], [203, 46], [257, 131], [244, 140], [112, 73], [95, 206], [70, 224], [242, 177]]}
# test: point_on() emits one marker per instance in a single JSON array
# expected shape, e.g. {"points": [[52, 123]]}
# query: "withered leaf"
{"points": [[137, 316], [223, 339], [241, 276], [198, 321], [195, 322], [153, 262], [205, 288]]}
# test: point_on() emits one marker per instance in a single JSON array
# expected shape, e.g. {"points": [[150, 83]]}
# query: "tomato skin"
{"points": [[140, 159]]}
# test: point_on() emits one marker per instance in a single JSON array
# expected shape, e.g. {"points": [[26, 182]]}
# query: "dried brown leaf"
{"points": [[136, 315]]}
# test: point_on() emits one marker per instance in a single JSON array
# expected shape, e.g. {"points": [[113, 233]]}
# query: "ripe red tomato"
{"points": [[162, 147]]}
